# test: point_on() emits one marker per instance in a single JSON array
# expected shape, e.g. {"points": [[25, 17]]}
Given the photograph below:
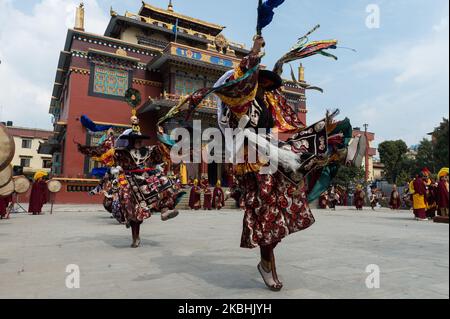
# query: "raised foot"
{"points": [[169, 215], [270, 282]]}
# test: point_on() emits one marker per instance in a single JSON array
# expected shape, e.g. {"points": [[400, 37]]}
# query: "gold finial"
{"points": [[170, 6], [301, 73], [112, 12], [79, 17]]}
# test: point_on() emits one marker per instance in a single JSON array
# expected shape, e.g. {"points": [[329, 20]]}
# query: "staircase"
{"points": [[184, 203]]}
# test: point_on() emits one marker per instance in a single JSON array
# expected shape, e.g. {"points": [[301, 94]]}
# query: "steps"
{"points": [[184, 203]]}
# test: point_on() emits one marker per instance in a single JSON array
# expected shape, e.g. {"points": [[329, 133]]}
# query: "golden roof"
{"points": [[180, 16]]}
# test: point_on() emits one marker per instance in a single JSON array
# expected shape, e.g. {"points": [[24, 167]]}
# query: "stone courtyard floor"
{"points": [[197, 256]]}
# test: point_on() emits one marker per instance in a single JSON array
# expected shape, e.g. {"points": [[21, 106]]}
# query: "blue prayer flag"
{"points": [[91, 126], [265, 13]]}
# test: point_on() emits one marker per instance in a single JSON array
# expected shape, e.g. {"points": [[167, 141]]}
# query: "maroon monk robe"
{"points": [[38, 197], [218, 198], [395, 201], [194, 198], [345, 200], [207, 199], [420, 188], [4, 203], [442, 195], [431, 199]]}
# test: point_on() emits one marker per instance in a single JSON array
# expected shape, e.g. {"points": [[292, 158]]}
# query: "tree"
{"points": [[392, 155], [408, 168], [349, 176], [441, 145], [425, 157]]}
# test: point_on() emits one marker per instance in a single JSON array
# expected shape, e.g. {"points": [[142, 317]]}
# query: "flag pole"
{"points": [[258, 29]]}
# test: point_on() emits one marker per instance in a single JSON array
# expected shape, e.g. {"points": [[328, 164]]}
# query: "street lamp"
{"points": [[366, 126]]}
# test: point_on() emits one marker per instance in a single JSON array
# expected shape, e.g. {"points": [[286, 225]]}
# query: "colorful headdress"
{"points": [[426, 172], [443, 172], [39, 174]]}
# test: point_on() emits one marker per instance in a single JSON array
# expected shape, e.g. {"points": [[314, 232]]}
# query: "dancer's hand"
{"points": [[258, 43]]}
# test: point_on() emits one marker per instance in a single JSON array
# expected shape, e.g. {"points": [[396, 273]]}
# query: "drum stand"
{"points": [[16, 202]]}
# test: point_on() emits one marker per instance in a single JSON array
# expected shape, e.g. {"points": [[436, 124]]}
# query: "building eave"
{"points": [[114, 27], [216, 27]]}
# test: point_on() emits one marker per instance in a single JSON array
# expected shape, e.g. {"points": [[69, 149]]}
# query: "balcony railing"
{"points": [[208, 103]]}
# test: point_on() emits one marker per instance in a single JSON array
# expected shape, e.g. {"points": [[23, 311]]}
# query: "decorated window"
{"points": [[185, 84], [109, 82]]}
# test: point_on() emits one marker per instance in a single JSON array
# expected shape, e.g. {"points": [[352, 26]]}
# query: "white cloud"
{"points": [[29, 52], [442, 25], [415, 97], [421, 60]]}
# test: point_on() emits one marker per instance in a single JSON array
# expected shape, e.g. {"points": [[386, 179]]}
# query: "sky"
{"points": [[397, 80]]}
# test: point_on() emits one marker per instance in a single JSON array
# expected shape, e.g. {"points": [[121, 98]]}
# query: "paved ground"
{"points": [[198, 256]]}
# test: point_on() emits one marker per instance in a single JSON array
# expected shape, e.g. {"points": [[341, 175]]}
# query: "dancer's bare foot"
{"points": [[136, 243], [270, 280], [166, 215]]}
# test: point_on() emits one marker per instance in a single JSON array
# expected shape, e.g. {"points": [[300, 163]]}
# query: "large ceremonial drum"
{"points": [[357, 150], [8, 189], [6, 175], [21, 184], [7, 147], [54, 186]]}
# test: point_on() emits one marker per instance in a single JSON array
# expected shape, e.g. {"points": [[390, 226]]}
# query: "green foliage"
{"points": [[349, 176], [425, 157], [392, 155], [431, 154], [441, 146]]}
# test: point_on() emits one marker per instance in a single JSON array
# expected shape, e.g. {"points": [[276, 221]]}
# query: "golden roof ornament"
{"points": [[112, 12], [221, 42], [170, 6], [79, 17]]}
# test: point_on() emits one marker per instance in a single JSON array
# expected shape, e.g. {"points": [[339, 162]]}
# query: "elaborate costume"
{"points": [[395, 201], [323, 200], [333, 198], [276, 203], [39, 193], [140, 186], [374, 199], [359, 198], [218, 196]]}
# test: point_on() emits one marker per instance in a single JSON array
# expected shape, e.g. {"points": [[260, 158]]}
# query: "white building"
{"points": [[26, 156]]}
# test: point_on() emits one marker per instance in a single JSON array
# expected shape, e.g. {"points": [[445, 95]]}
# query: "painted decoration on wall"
{"points": [[110, 81], [187, 53], [220, 61]]}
